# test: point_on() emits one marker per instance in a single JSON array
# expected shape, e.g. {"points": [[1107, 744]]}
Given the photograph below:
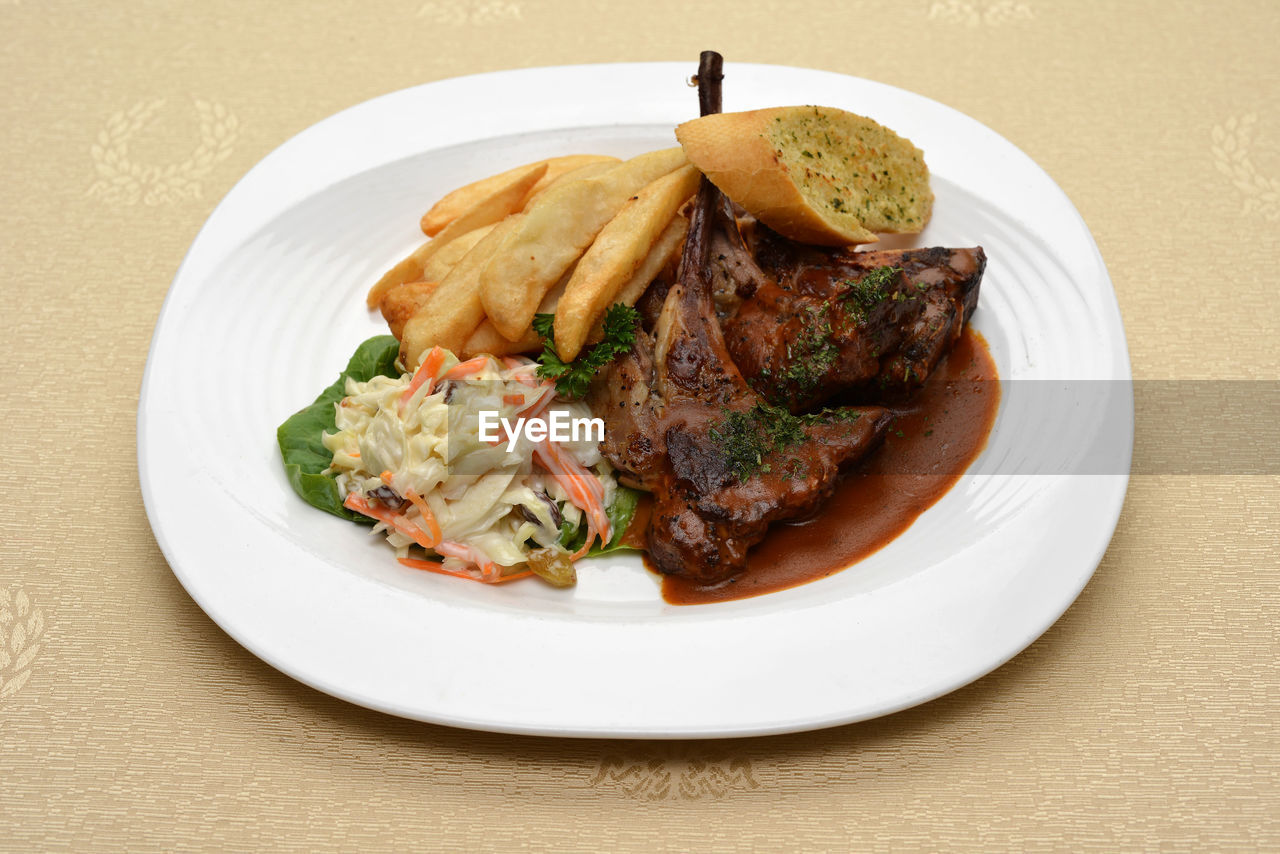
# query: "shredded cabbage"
{"points": [[493, 506]]}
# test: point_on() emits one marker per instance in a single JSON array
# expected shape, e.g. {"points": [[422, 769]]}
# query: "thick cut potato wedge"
{"points": [[453, 311], [463, 199], [403, 301], [619, 250], [491, 209], [664, 251], [441, 263], [554, 231], [487, 339], [408, 270], [559, 167], [434, 269], [585, 171]]}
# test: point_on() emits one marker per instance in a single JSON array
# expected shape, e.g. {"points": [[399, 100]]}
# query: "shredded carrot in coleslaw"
{"points": [[450, 502]]}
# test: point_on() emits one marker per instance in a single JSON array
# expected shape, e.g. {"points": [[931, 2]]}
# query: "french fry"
{"points": [[403, 301], [618, 252], [554, 231], [463, 199], [453, 311], [408, 270], [487, 338], [663, 252], [558, 167], [490, 209], [439, 264], [585, 171]]}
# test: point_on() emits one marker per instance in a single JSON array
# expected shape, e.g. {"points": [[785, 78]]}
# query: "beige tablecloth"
{"points": [[128, 721]]}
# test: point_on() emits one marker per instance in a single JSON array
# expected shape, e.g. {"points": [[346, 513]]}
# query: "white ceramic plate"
{"points": [[268, 305]]}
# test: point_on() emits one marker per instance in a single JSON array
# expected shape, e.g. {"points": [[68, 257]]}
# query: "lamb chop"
{"points": [[681, 421], [819, 322]]}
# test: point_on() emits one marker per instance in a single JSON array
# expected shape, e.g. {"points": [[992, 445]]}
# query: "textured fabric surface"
{"points": [[1144, 719]]}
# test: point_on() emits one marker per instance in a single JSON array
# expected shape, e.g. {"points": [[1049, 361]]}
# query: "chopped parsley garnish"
{"points": [[794, 469], [572, 378], [866, 293], [812, 354], [747, 437]]}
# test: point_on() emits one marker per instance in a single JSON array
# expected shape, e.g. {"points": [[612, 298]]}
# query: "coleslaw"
{"points": [[410, 453]]}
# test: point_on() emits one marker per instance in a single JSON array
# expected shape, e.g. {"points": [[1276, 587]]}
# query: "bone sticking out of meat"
{"points": [[679, 415], [708, 80]]}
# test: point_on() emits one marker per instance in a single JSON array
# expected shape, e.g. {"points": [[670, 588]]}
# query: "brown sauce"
{"points": [[934, 438]]}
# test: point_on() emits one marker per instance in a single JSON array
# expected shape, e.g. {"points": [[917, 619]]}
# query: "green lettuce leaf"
{"points": [[305, 455], [620, 513]]}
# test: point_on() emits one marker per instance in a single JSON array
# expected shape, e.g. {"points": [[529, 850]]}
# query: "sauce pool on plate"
{"points": [[934, 438]]}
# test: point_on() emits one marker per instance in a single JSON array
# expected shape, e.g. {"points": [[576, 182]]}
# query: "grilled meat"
{"points": [[682, 423], [867, 325], [720, 458]]}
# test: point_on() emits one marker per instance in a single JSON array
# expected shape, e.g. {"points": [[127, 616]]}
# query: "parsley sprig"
{"points": [[573, 378]]}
